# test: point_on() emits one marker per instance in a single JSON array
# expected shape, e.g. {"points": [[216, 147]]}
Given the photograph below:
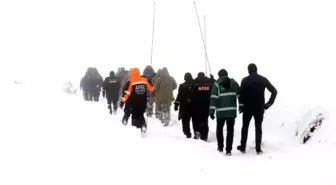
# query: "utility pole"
{"points": [[151, 60]]}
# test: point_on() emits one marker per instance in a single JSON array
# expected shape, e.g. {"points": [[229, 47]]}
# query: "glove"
{"points": [[103, 94], [121, 105], [176, 107], [241, 109], [266, 106], [212, 116]]}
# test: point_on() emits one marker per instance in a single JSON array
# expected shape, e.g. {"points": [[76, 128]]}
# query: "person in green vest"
{"points": [[224, 95]]}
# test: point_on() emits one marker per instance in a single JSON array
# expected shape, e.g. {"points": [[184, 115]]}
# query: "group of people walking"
{"points": [[197, 100], [91, 84], [221, 99]]}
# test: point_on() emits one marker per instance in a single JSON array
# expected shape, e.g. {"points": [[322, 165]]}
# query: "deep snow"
{"points": [[49, 137]]}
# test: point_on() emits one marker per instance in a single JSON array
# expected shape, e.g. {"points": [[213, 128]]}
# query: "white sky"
{"points": [[293, 42]]}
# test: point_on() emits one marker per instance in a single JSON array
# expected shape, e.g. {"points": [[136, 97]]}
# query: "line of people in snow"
{"points": [[197, 100], [203, 97]]}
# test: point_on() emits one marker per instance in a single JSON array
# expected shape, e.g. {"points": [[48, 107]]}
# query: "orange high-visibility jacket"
{"points": [[137, 89]]}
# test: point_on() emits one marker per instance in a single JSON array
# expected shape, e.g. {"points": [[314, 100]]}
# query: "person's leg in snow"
{"points": [[157, 110], [229, 135], [127, 113], [204, 130], [109, 101], [96, 96], [115, 106], [196, 121], [86, 95], [247, 116], [258, 119], [150, 107], [186, 125], [138, 120], [90, 95], [165, 114], [219, 134]]}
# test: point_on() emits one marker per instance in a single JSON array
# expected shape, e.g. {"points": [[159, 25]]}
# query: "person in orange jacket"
{"points": [[136, 97]]}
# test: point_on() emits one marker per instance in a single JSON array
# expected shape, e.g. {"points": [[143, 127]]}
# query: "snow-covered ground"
{"points": [[49, 137]]}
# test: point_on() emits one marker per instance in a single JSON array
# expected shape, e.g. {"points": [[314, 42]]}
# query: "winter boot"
{"points": [[197, 135], [220, 150], [144, 131], [259, 152], [241, 149], [124, 121]]}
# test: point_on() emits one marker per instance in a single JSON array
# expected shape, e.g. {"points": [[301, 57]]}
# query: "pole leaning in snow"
{"points": [[205, 59], [199, 24], [151, 61]]}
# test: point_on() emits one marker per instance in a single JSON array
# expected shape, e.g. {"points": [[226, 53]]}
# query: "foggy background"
{"points": [[293, 42]]}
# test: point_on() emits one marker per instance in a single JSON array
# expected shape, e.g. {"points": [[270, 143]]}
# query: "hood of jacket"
{"points": [[112, 74], [224, 82], [164, 72], [188, 77], [148, 71], [134, 73]]}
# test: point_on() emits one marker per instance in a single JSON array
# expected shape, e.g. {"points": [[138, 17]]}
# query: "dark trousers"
{"points": [[138, 118], [96, 95], [258, 119], [127, 112], [201, 125], [114, 102], [186, 125], [229, 133], [86, 95]]}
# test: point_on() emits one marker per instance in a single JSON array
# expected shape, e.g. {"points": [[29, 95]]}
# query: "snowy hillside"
{"points": [[56, 138], [50, 137]]}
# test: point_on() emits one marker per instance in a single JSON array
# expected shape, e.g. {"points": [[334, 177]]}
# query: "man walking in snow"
{"points": [[136, 95], [164, 86], [127, 109], [200, 103], [252, 104], [223, 101], [96, 84], [85, 85], [183, 101], [149, 73], [111, 87]]}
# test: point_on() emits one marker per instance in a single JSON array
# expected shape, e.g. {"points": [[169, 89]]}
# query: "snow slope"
{"points": [[48, 137]]}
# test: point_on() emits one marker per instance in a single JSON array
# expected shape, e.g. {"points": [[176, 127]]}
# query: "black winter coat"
{"points": [[112, 87], [183, 98], [252, 92], [200, 96]]}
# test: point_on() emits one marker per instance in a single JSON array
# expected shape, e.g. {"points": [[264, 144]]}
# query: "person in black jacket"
{"points": [[183, 101], [252, 104], [200, 102], [136, 96], [111, 87], [127, 109]]}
